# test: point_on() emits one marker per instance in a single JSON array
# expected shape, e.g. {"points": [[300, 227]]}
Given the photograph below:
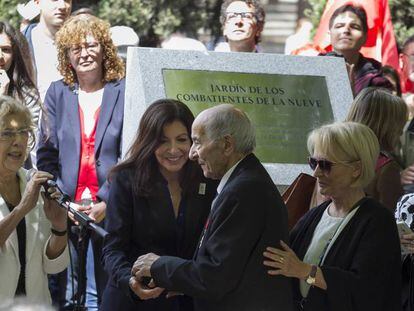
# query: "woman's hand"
{"points": [[54, 213], [97, 212], [4, 82], [86, 209], [58, 218], [31, 193], [285, 262], [407, 175], [407, 241], [142, 291]]}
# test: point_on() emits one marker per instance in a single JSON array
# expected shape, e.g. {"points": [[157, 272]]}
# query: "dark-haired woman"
{"points": [[158, 203], [16, 69]]}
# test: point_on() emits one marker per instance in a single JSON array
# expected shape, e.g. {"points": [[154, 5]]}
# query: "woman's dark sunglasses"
{"points": [[324, 165]]}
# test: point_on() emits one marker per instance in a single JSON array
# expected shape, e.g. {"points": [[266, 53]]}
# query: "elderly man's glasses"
{"points": [[90, 47], [10, 135], [243, 15]]}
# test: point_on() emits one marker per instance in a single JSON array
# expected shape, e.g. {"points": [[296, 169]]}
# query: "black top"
{"points": [[21, 238], [363, 267], [138, 225]]}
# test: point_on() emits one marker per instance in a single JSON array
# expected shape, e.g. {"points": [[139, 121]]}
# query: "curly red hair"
{"points": [[74, 32]]}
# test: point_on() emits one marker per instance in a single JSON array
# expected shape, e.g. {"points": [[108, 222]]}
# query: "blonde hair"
{"points": [[382, 112], [74, 32], [345, 142], [8, 106]]}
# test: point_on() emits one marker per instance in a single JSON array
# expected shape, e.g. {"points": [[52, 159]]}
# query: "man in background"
{"points": [[243, 23], [41, 38], [406, 59]]}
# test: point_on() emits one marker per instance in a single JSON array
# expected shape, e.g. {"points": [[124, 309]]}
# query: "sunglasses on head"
{"points": [[324, 165]]}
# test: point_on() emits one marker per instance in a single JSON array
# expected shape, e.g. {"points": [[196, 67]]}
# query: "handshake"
{"points": [[141, 281]]}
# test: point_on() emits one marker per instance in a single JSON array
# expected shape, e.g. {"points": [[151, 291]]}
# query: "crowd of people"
{"points": [[193, 219]]}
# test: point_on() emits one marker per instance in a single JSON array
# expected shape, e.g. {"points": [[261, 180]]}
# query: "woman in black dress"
{"points": [[158, 202]]}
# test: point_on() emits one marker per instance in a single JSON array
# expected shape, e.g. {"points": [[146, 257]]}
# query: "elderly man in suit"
{"points": [[248, 213]]}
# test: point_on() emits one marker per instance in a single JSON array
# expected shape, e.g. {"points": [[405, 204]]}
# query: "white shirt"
{"points": [[89, 103], [45, 55], [327, 231], [38, 264], [226, 177], [324, 231]]}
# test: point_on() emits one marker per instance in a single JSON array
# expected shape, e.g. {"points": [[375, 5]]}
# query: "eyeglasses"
{"points": [[324, 165], [10, 135], [243, 15], [90, 47]]}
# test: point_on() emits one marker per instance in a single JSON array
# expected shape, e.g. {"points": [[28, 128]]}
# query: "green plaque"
{"points": [[283, 108]]}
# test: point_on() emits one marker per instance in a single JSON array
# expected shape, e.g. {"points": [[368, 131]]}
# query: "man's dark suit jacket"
{"points": [[59, 147], [227, 272]]}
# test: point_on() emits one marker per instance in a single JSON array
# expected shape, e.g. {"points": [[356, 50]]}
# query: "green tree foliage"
{"points": [[315, 12], [8, 11], [402, 14], [156, 19], [151, 19]]}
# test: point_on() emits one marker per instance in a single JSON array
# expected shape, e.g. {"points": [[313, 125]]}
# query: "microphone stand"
{"points": [[85, 224]]}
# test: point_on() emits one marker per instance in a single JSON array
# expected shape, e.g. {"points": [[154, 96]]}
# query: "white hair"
{"points": [[226, 119]]}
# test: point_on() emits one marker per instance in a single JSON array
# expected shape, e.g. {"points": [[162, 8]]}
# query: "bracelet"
{"points": [[58, 233]]}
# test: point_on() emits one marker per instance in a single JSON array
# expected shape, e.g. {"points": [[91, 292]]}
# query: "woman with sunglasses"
{"points": [[344, 253]]}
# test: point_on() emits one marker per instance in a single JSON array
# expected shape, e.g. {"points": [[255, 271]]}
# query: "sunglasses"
{"points": [[324, 165]]}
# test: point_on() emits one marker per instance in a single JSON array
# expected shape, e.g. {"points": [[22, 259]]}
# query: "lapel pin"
{"points": [[202, 189]]}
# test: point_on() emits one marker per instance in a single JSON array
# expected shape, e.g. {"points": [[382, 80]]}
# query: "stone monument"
{"points": [[284, 96]]}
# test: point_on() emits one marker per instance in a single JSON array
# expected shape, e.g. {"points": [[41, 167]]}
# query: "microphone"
{"points": [[64, 202]]}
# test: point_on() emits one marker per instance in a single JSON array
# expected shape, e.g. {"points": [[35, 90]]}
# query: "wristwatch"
{"points": [[311, 278]]}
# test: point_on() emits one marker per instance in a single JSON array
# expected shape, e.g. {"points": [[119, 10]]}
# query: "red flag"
{"points": [[380, 44]]}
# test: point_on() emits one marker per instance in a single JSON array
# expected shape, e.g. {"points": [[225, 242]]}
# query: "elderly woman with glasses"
{"points": [[33, 235], [344, 253], [80, 135]]}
